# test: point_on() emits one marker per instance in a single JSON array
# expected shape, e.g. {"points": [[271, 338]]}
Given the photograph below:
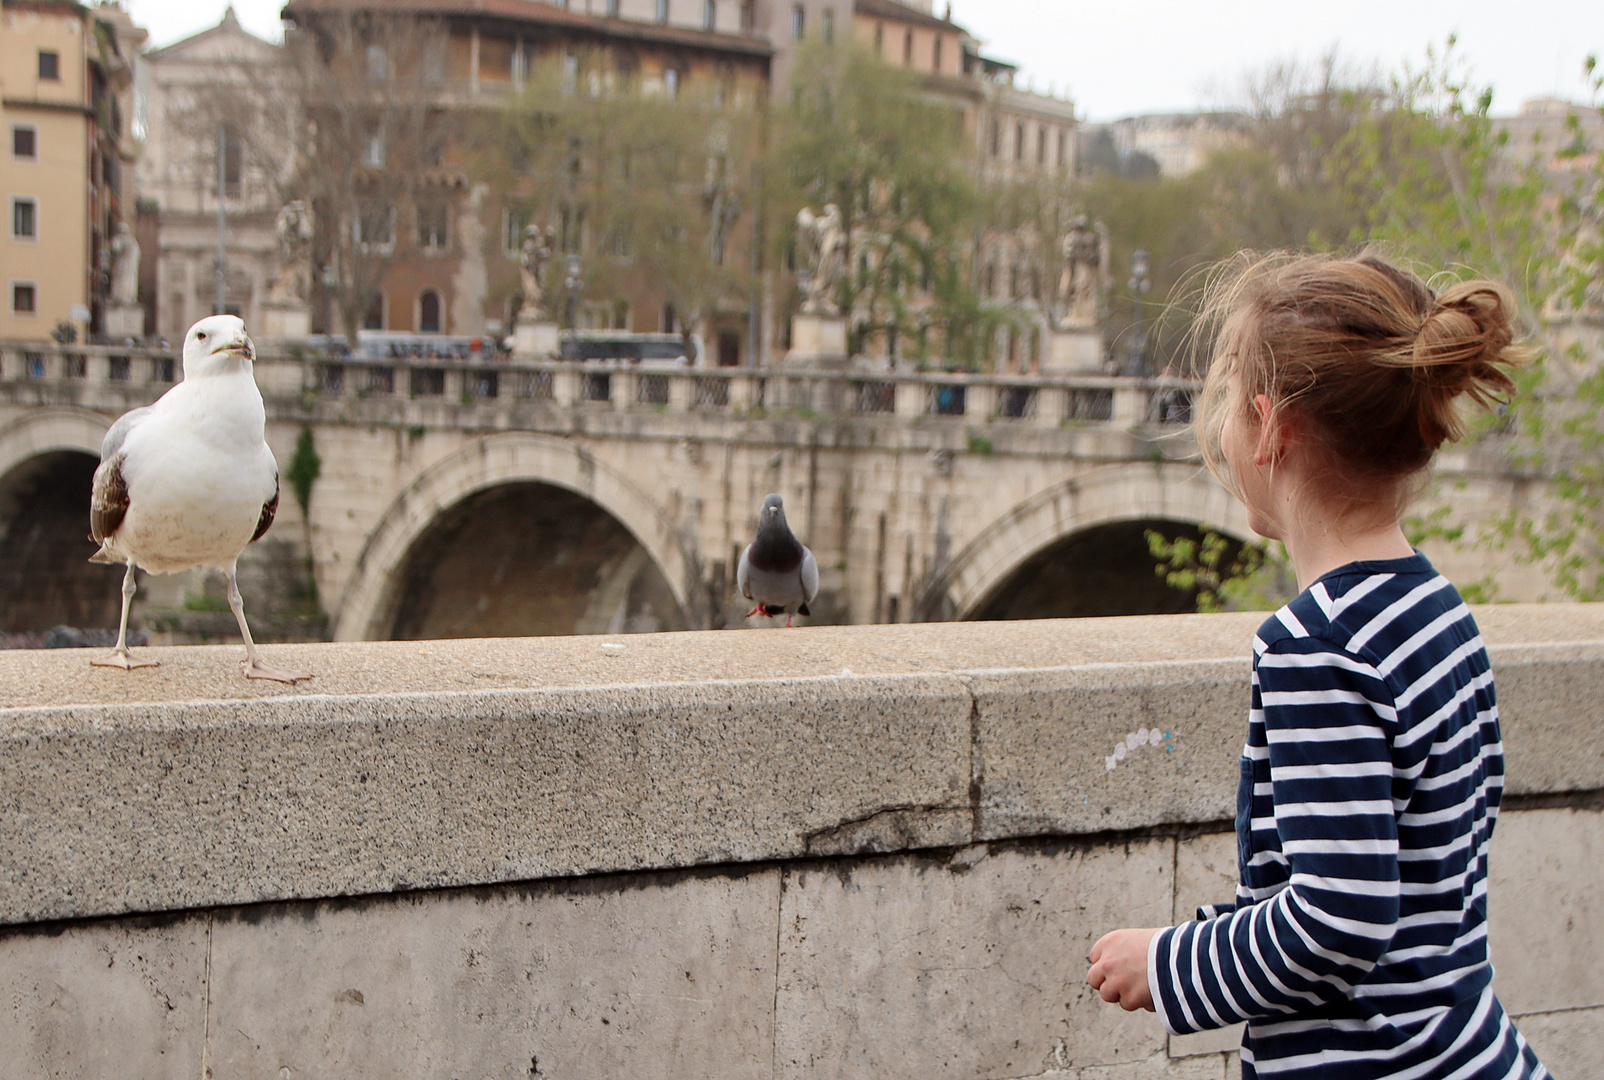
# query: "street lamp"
{"points": [[575, 268], [1138, 285]]}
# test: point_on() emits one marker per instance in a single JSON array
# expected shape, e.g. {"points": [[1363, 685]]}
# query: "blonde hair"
{"points": [[1372, 365]]}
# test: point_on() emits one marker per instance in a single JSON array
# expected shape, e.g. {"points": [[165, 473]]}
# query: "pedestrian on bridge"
{"points": [[1356, 944]]}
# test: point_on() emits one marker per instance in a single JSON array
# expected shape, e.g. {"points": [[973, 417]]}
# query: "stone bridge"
{"points": [[463, 498]]}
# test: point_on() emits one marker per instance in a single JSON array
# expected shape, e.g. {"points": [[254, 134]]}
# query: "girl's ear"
{"points": [[1271, 437]]}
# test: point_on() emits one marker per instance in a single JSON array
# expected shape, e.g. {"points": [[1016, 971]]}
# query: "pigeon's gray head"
{"points": [[773, 510], [217, 344]]}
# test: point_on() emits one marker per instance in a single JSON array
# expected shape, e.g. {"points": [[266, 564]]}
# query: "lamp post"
{"points": [[1139, 285], [575, 267]]}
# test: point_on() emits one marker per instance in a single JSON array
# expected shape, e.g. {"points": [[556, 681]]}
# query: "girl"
{"points": [[1356, 946]]}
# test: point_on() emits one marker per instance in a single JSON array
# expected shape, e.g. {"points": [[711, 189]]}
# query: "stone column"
{"points": [[911, 399], [1130, 406]]}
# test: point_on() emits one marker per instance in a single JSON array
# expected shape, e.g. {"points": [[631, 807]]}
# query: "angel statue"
{"points": [[532, 259], [1081, 283], [293, 232], [822, 247]]}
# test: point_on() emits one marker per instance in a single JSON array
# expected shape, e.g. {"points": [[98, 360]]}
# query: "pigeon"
{"points": [[190, 481], [776, 572]]}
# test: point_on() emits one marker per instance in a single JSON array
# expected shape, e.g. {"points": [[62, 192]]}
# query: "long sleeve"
{"points": [[1322, 884]]}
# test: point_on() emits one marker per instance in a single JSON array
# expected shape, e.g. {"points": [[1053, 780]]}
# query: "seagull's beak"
{"points": [[240, 345]]}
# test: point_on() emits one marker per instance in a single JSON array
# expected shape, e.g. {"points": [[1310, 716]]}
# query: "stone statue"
{"points": [[822, 247], [293, 231], [532, 259], [124, 267], [1080, 286]]}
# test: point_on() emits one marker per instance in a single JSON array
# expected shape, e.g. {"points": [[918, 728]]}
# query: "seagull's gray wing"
{"points": [[810, 576], [119, 431], [743, 572]]}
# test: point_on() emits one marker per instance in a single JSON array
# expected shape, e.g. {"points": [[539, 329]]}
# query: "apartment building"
{"points": [[66, 76]]}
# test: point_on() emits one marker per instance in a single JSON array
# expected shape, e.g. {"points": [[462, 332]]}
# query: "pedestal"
{"points": [[817, 341], [1074, 351], [124, 321], [534, 339], [286, 320]]}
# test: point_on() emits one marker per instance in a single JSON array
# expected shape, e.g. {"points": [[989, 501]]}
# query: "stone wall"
{"points": [[846, 852]]}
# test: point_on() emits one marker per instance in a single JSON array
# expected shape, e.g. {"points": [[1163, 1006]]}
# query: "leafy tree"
{"points": [[1440, 183], [869, 138], [656, 188], [1224, 574]]}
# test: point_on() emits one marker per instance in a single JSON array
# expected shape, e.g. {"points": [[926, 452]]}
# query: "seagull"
{"points": [[190, 481], [776, 571]]}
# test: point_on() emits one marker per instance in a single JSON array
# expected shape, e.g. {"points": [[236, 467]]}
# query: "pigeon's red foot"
{"points": [[120, 658], [789, 621], [756, 611]]}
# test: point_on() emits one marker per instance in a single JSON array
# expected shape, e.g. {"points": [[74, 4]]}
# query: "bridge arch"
{"points": [[369, 607], [1133, 492], [43, 431], [47, 461]]}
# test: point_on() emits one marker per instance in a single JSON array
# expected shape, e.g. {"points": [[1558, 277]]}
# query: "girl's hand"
{"points": [[1119, 969]]}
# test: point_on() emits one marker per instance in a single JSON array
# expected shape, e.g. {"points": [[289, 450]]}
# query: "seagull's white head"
{"points": [[216, 345]]}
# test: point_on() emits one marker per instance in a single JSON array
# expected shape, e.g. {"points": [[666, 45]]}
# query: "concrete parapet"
{"points": [[855, 851]]}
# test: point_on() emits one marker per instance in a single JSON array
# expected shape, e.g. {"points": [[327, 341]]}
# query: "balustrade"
{"points": [[936, 397]]}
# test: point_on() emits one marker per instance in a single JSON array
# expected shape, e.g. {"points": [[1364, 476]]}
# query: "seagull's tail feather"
{"points": [[104, 555]]}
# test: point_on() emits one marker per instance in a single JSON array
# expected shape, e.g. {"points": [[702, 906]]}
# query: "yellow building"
{"points": [[65, 86]]}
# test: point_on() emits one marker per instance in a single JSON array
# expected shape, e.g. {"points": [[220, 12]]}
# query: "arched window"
{"points": [[428, 312]]}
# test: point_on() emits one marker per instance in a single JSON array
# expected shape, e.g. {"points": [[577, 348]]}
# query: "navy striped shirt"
{"points": [[1371, 780]]}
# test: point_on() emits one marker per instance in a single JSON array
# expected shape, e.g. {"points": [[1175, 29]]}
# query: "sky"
{"points": [[1117, 58]]}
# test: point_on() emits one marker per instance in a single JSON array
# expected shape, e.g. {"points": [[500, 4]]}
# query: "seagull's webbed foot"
{"points": [[121, 658], [255, 669]]}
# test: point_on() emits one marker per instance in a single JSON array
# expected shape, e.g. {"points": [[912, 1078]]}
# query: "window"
{"points": [[375, 223], [231, 162], [378, 63], [907, 49], [1063, 147], [24, 142], [429, 312], [520, 65], [879, 39], [799, 22], [1019, 142], [1041, 145], [748, 15], [513, 221], [373, 318], [571, 64], [434, 60], [671, 81], [996, 137], [373, 153], [49, 68], [827, 27], [24, 219], [24, 298], [612, 9], [935, 55], [709, 14], [432, 219], [662, 11]]}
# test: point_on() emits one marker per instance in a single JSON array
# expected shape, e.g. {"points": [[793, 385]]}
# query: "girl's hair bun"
{"points": [[1463, 348]]}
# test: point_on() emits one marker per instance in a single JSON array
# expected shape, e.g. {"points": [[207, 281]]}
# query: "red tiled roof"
{"points": [[534, 12]]}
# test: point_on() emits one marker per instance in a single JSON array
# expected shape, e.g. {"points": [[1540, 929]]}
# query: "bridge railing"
{"points": [[1040, 400]]}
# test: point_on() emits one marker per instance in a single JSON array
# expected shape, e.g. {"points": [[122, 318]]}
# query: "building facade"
{"points": [[66, 77], [195, 154]]}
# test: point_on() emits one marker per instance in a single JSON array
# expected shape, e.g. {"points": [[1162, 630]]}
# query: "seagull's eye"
{"points": [[200, 337]]}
